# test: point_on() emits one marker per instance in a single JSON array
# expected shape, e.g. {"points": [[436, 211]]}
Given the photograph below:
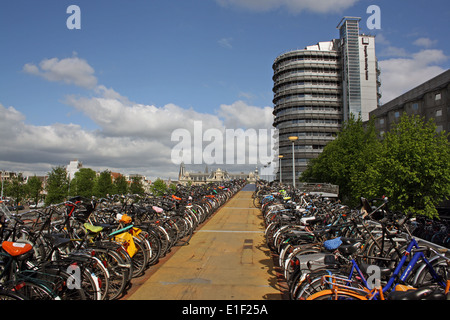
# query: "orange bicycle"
{"points": [[341, 289], [344, 289]]}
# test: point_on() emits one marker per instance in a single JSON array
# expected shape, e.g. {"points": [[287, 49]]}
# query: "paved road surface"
{"points": [[227, 259]]}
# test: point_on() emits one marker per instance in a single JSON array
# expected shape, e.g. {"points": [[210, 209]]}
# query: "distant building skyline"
{"points": [[216, 175]]}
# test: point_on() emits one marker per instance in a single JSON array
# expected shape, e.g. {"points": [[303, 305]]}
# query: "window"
{"points": [[381, 121], [437, 96], [439, 113], [397, 114], [415, 106]]}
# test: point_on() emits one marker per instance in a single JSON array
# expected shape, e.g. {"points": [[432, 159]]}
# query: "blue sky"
{"points": [[163, 64]]}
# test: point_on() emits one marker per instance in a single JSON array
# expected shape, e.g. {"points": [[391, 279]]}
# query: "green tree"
{"points": [[136, 186], [34, 189], [83, 183], [104, 184], [5, 187], [414, 169], [120, 185], [17, 189], [57, 186], [158, 187], [347, 161], [173, 187]]}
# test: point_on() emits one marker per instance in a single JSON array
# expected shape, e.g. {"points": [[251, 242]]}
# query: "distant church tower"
{"points": [[182, 171]]}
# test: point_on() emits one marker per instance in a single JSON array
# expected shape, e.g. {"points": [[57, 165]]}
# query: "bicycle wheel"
{"points": [[118, 272], [423, 276], [164, 239], [32, 291], [187, 231], [155, 244], [91, 285], [391, 250], [101, 275], [139, 259], [57, 280], [304, 287], [339, 295], [10, 295], [148, 248]]}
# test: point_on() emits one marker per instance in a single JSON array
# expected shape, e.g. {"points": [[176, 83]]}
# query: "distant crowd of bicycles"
{"points": [[328, 251], [91, 249]]}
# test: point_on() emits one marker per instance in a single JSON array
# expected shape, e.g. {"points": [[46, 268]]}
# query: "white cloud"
{"points": [[241, 115], [225, 42], [117, 116], [56, 144], [392, 51], [293, 6], [69, 70], [425, 42], [381, 39], [132, 137], [398, 75]]}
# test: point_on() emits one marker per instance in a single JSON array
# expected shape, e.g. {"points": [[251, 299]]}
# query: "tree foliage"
{"points": [[414, 169], [34, 188], [57, 186], [136, 186], [120, 185], [158, 187], [104, 185], [410, 165], [346, 161], [83, 183], [16, 189]]}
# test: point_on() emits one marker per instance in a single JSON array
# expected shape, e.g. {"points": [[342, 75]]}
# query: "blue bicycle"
{"points": [[361, 288]]}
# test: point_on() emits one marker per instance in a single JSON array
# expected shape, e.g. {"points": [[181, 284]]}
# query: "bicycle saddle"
{"points": [[299, 234], [91, 228], [384, 272], [16, 249], [57, 239], [348, 249]]}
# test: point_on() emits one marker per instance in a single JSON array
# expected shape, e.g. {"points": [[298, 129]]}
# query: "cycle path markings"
{"points": [[227, 259]]}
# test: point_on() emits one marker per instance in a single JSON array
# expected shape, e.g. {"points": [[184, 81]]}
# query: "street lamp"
{"points": [[279, 157], [293, 139], [1, 176]]}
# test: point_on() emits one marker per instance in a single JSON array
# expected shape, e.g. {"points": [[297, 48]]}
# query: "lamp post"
{"points": [[1, 176], [280, 157], [293, 139]]}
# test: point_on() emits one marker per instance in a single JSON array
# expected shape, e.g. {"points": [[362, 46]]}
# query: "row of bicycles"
{"points": [[328, 251], [91, 249]]}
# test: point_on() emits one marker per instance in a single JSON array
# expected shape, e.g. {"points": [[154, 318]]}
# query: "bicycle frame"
{"points": [[392, 280], [415, 258]]}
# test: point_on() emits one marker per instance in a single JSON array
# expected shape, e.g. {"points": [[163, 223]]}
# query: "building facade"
{"points": [[315, 91], [73, 167], [430, 100], [218, 175]]}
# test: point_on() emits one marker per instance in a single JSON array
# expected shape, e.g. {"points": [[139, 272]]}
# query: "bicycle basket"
{"points": [[126, 240]]}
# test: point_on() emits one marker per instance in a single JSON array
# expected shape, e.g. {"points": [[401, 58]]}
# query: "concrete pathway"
{"points": [[227, 259]]}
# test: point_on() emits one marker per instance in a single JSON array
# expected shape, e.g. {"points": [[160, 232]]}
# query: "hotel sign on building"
{"points": [[369, 76]]}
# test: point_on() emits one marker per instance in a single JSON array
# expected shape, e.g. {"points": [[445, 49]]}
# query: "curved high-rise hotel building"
{"points": [[317, 88]]}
